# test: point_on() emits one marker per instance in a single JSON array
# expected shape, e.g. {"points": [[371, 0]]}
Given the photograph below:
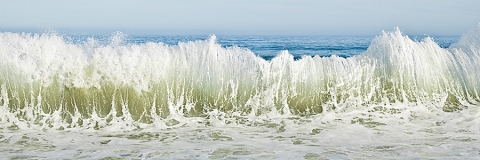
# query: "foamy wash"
{"points": [[196, 100]]}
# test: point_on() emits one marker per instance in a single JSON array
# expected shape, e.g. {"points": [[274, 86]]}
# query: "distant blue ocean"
{"points": [[268, 46], [386, 96]]}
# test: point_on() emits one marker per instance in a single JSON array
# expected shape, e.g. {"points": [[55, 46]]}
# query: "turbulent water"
{"points": [[247, 97]]}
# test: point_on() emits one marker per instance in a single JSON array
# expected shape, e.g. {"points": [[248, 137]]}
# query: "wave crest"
{"points": [[49, 82]]}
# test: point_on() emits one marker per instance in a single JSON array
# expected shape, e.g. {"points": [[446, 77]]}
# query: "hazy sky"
{"points": [[222, 17]]}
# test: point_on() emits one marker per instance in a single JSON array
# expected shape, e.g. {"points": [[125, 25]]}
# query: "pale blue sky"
{"points": [[234, 17]]}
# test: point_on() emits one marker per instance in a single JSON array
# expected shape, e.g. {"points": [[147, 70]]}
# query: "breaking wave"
{"points": [[48, 82]]}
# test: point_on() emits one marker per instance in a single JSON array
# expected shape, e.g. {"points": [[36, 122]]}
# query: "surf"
{"points": [[48, 82]]}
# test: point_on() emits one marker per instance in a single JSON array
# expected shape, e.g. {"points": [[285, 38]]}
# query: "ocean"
{"points": [[119, 96]]}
